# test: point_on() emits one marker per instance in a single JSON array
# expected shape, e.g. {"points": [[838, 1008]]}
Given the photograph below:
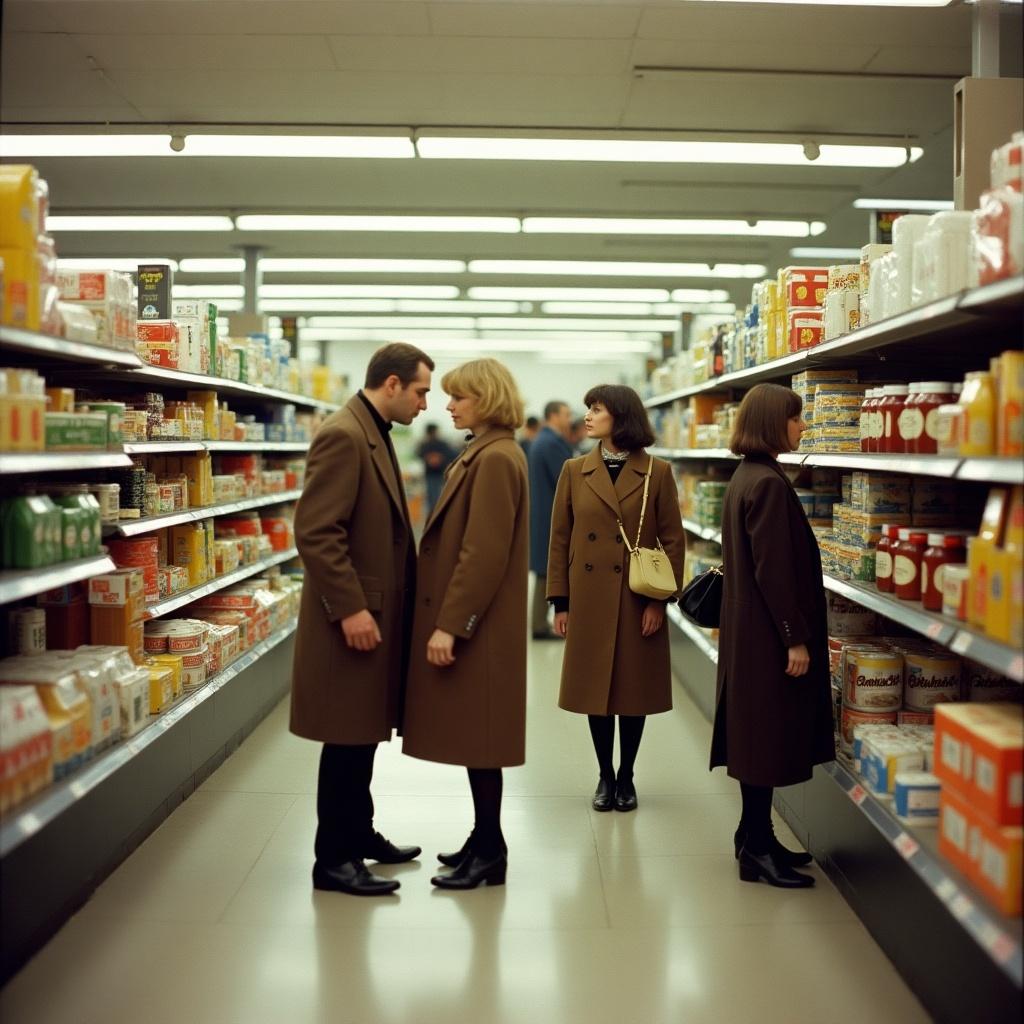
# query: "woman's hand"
{"points": [[561, 623], [652, 619], [799, 660], [441, 648]]}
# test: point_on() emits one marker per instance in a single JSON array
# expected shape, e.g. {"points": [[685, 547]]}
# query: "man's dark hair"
{"points": [[397, 359], [431, 430], [553, 408], [531, 422], [632, 430]]}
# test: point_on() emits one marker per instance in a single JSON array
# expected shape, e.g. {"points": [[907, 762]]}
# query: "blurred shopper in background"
{"points": [[773, 720], [617, 650], [353, 532], [531, 428], [548, 454], [435, 453], [578, 439], [466, 696]]}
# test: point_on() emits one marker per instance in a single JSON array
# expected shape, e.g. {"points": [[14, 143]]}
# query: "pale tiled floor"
{"points": [[606, 918]]}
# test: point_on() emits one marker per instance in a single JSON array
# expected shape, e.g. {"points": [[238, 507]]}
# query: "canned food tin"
{"points": [[186, 635], [852, 717], [194, 659], [930, 678], [873, 679], [109, 497], [29, 628], [193, 678]]}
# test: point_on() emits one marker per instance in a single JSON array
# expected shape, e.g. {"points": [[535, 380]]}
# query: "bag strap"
{"points": [[643, 511]]}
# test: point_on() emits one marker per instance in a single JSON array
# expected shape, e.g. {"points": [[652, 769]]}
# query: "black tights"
{"points": [[486, 786], [756, 819], [602, 731]]}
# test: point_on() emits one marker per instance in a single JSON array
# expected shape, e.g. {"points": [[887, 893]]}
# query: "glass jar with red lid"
{"points": [[908, 555], [866, 408], [909, 424], [883, 558], [921, 426], [894, 397], [943, 549]]}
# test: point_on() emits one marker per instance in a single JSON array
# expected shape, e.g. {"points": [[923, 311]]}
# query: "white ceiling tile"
{"points": [[192, 52], [576, 21], [932, 60], [749, 53], [483, 56], [71, 88]]}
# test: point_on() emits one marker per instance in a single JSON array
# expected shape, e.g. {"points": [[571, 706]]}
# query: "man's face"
{"points": [[405, 404], [561, 421]]}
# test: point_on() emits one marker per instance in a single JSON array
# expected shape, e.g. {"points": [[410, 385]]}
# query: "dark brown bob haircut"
{"points": [[632, 430], [761, 424], [398, 359]]}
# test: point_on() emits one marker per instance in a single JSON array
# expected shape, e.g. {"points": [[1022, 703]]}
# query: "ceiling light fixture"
{"points": [[811, 252], [456, 306], [274, 265], [782, 154], [608, 308], [333, 222], [903, 204], [139, 223], [124, 264], [208, 291], [659, 226], [600, 268], [359, 291], [561, 324], [581, 294], [230, 265]]}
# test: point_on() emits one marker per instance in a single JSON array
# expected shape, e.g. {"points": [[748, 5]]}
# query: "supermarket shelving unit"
{"points": [[78, 830], [962, 958]]}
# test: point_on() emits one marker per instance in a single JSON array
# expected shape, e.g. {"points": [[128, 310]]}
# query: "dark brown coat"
{"points": [[609, 668], [352, 531], [471, 582], [770, 728]]}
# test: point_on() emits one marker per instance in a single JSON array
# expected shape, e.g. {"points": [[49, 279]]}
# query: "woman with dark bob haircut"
{"points": [[617, 651], [773, 717]]}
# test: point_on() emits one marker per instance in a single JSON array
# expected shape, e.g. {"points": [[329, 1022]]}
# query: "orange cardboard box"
{"points": [[979, 750], [114, 626], [805, 287], [954, 829], [996, 864]]}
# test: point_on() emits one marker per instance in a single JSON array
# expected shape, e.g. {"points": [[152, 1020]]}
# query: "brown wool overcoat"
{"points": [[471, 582], [609, 668], [352, 531], [770, 728]]}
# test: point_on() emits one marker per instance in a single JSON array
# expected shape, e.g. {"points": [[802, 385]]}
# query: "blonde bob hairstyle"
{"points": [[494, 388]]}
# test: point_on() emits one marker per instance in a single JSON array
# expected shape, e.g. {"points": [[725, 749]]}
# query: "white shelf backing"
{"points": [[243, 572], [712, 533], [943, 630], [163, 447], [997, 936], [256, 446], [694, 633], [17, 584], [709, 454], [923, 465], [134, 527], [58, 348], [53, 462], [993, 471], [25, 821]]}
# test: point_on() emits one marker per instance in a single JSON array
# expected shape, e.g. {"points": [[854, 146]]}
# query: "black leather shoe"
{"points": [[625, 795], [474, 871], [453, 860], [604, 796], [754, 867], [792, 858], [353, 878], [383, 851]]}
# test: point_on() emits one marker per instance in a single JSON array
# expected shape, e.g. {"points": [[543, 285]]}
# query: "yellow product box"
{"points": [[19, 206], [199, 470], [161, 685], [174, 663], [21, 288], [207, 401], [998, 603], [61, 399], [188, 546], [979, 568]]}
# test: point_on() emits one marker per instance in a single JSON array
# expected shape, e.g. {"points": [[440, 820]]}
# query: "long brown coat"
{"points": [[770, 728], [471, 582], [609, 668], [352, 531]]}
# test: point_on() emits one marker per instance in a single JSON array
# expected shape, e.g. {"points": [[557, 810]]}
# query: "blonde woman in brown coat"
{"points": [[617, 659], [466, 696]]}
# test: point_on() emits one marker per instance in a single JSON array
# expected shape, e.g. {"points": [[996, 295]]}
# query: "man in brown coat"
{"points": [[353, 532]]}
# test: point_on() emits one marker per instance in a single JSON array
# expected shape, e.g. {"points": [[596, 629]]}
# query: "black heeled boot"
{"points": [[757, 866], [453, 860], [791, 858], [474, 870], [625, 795], [604, 795]]}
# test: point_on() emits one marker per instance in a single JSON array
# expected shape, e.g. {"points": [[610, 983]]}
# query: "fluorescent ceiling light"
{"points": [[208, 291], [848, 3], [605, 308], [230, 305], [903, 204], [118, 223], [552, 324], [332, 222], [609, 269], [811, 252], [582, 294], [660, 226], [699, 295], [783, 154], [458, 323], [424, 306], [360, 291], [230, 265], [470, 341], [276, 146], [272, 265], [123, 264]]}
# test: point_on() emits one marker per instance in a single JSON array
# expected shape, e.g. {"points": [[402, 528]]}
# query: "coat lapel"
{"points": [[599, 481], [379, 455], [631, 477]]}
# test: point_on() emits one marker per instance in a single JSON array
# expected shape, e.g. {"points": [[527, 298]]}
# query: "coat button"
{"points": [[618, 538], [591, 536], [588, 567], [426, 601], [618, 568], [425, 550]]}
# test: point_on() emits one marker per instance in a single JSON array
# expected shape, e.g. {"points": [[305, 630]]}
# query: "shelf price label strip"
{"points": [[133, 527]]}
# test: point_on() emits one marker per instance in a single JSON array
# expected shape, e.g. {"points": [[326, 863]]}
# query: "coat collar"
{"points": [[456, 472], [630, 478], [379, 453]]}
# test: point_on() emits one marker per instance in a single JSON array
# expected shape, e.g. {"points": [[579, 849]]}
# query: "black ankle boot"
{"points": [[757, 866], [625, 795], [604, 795], [453, 860], [473, 871], [792, 858]]}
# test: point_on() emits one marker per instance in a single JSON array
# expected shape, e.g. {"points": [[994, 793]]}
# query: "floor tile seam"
{"points": [[600, 875], [245, 878]]}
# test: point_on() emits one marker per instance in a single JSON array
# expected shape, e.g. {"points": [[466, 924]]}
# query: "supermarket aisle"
{"points": [[631, 919]]}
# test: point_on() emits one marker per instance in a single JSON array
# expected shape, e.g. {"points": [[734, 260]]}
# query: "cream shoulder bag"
{"points": [[650, 571]]}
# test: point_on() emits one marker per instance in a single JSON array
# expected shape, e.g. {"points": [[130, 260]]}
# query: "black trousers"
{"points": [[344, 806]]}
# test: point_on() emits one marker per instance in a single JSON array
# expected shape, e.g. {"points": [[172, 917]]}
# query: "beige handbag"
{"points": [[650, 571]]}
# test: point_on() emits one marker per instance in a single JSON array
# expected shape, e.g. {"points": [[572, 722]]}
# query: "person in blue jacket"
{"points": [[548, 453]]}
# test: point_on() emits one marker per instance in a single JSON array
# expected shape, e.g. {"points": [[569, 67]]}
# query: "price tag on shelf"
{"points": [[905, 845], [858, 794], [1017, 668], [947, 890], [962, 907], [934, 630], [962, 643], [1003, 948]]}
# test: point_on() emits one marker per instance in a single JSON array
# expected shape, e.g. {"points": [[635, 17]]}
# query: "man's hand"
{"points": [[361, 631], [561, 623], [652, 619], [799, 660], [440, 648]]}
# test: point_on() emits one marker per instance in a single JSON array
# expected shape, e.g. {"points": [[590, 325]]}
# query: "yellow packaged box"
{"points": [[188, 548], [19, 207], [207, 401], [21, 288], [161, 685], [174, 664]]}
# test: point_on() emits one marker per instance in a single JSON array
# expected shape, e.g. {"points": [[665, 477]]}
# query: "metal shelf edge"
{"points": [[53, 462], [693, 633], [134, 527], [16, 584], [76, 351], [932, 626], [704, 532]]}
